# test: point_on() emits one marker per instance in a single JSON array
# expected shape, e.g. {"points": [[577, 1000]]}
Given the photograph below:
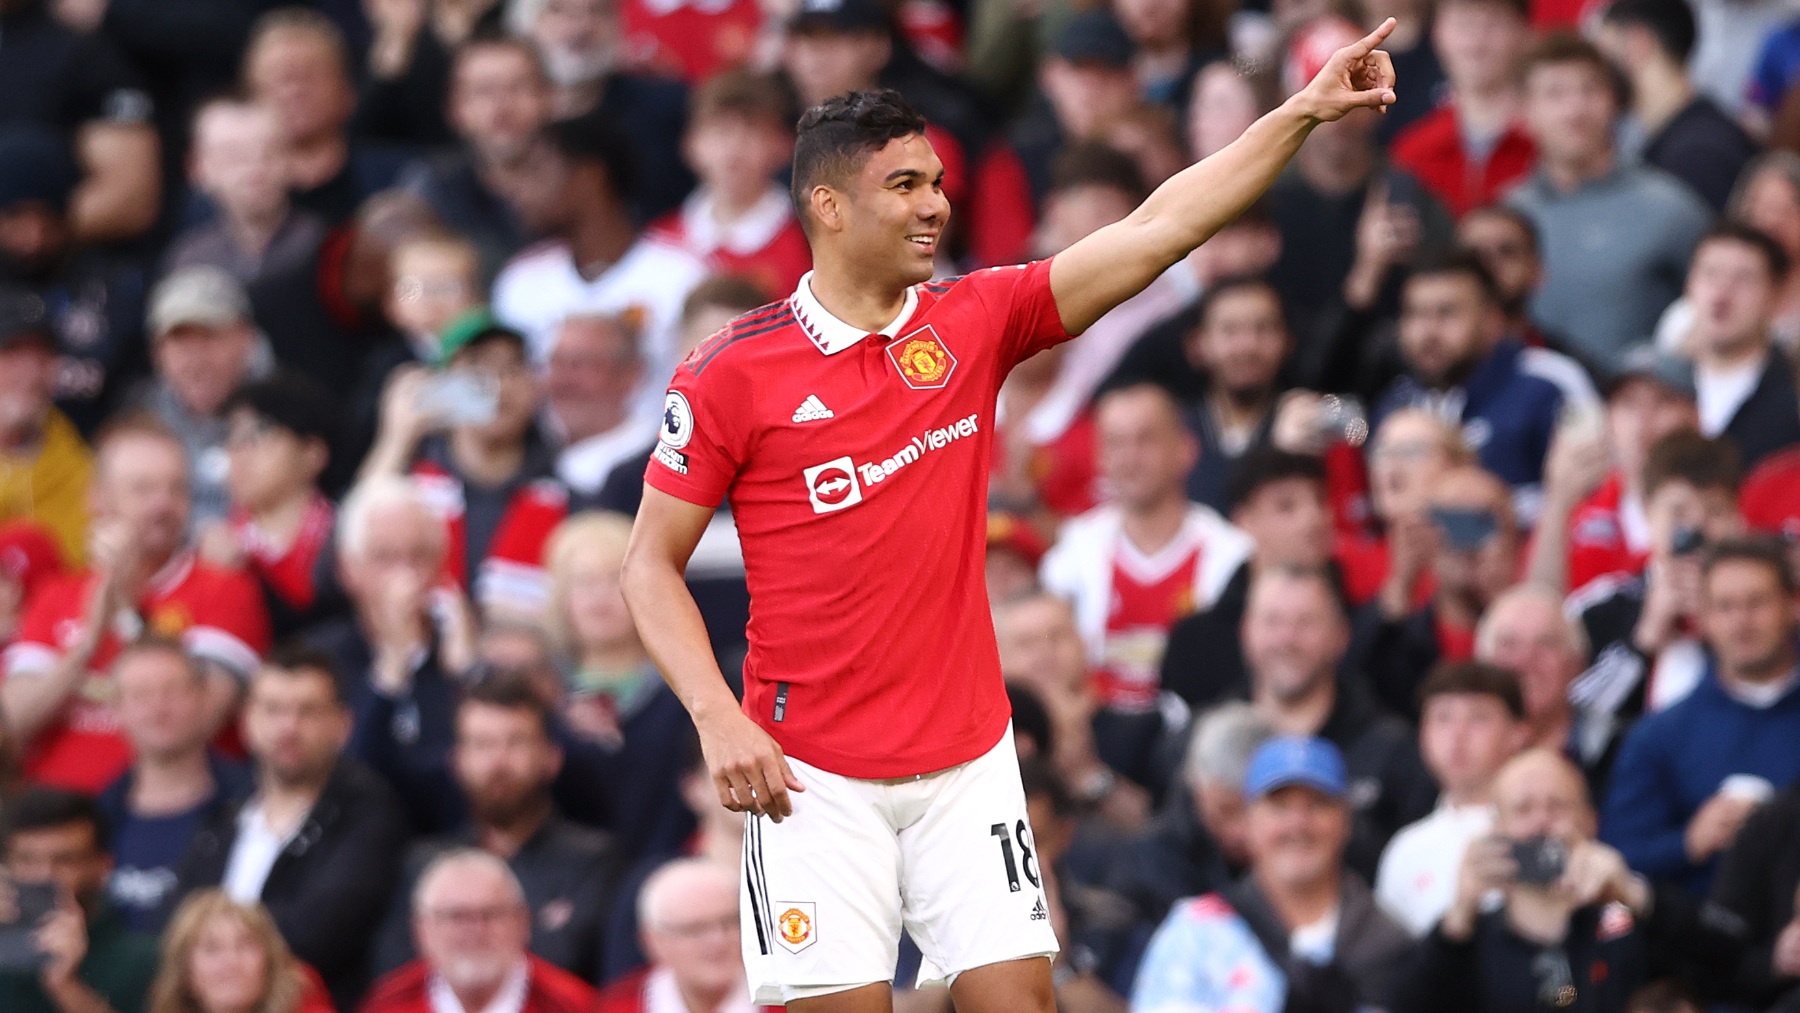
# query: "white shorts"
{"points": [[948, 855]]}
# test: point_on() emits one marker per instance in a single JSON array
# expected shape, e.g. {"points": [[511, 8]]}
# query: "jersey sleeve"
{"points": [[1019, 297], [703, 440], [232, 630], [35, 649]]}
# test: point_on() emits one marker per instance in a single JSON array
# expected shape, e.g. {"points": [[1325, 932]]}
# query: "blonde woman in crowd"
{"points": [[220, 956]]}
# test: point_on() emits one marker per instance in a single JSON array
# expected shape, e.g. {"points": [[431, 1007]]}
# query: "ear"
{"points": [[828, 207]]}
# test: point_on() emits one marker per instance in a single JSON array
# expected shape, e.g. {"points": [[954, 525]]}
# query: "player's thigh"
{"points": [[820, 898], [1011, 986], [970, 874], [876, 998]]}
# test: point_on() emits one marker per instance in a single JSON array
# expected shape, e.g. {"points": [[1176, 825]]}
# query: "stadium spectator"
{"points": [[1223, 101], [279, 436], [1300, 930], [1044, 463], [1745, 384], [202, 344], [89, 958], [688, 918], [594, 369], [1471, 721], [1471, 149], [28, 557], [45, 465], [408, 67], [222, 956], [468, 436], [94, 298], [694, 43], [1767, 198], [1084, 84], [399, 652], [1172, 43], [1239, 343], [1461, 363], [1683, 132], [1757, 884], [1647, 652], [1133, 566], [1593, 522], [432, 281], [596, 262], [319, 841], [237, 162], [174, 785], [1407, 455], [470, 920], [1197, 843], [498, 102], [1526, 631], [505, 761], [1468, 541], [1579, 926], [1295, 634], [740, 220], [1584, 200], [298, 63], [1688, 776], [1041, 649], [579, 42], [1770, 500], [57, 694], [1506, 242]]}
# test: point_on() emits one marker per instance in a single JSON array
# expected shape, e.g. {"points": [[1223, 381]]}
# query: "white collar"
{"points": [[750, 232], [830, 334], [510, 999], [663, 995], [585, 464]]}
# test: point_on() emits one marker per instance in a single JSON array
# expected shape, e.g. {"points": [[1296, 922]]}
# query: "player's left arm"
{"points": [[1117, 262]]}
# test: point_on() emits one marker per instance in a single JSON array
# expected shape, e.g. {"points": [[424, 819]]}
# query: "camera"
{"points": [[1541, 860]]}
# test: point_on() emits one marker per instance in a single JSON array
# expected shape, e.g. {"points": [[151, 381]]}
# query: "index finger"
{"points": [[1366, 45]]}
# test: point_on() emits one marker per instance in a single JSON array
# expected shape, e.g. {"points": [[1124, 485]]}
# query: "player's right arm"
{"points": [[746, 764]]}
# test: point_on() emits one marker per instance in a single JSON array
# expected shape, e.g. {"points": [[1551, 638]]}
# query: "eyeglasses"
{"points": [[468, 916], [694, 930]]}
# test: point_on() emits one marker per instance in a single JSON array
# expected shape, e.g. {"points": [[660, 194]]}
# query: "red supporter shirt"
{"points": [[1771, 495], [1601, 539], [548, 989], [288, 571], [767, 245], [690, 39], [1147, 596], [217, 614], [512, 573], [1432, 149], [856, 467]]}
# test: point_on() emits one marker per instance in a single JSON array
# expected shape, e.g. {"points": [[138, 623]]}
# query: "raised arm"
{"points": [[1118, 261], [747, 766]]}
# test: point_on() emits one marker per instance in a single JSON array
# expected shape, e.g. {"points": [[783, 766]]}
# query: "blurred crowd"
{"points": [[1397, 598]]}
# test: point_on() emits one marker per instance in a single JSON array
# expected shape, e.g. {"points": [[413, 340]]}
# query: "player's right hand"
{"points": [[747, 767]]}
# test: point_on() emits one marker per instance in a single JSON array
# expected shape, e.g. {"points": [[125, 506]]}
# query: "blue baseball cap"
{"points": [[1292, 759]]}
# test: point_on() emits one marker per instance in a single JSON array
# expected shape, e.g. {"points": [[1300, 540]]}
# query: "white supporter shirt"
{"points": [[584, 465], [663, 995], [1417, 879], [253, 854], [1722, 392], [510, 999]]}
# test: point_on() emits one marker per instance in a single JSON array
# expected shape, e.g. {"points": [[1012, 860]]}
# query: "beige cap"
{"points": [[202, 295]]}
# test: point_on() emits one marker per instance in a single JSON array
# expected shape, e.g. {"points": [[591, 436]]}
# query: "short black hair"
{"points": [[1686, 456], [1761, 549], [1474, 678], [509, 691], [1669, 21], [836, 136], [1092, 163], [592, 138], [1266, 466], [1459, 262], [299, 656], [1729, 231], [291, 401], [1230, 285], [42, 808], [1519, 219]]}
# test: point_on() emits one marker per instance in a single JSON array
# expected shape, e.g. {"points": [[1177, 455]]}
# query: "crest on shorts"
{"points": [[797, 926], [922, 358]]}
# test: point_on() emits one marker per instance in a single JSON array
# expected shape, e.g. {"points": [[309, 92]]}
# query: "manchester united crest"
{"points": [[922, 358], [795, 928]]}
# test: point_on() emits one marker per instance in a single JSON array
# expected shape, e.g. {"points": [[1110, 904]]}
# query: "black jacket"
{"points": [[1367, 954], [1389, 785], [1770, 419], [1171, 858], [569, 873], [1755, 887], [330, 886]]}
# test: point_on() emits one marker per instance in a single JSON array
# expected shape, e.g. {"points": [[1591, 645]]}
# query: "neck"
{"points": [[1302, 716], [700, 1000], [477, 997], [281, 520], [486, 461], [1298, 904], [1538, 915], [1335, 172], [576, 99], [1568, 174], [170, 783], [1241, 409], [1487, 110], [1550, 730], [24, 438], [596, 425], [1778, 668], [1729, 355], [316, 160], [254, 232], [1659, 91], [286, 803], [622, 655], [505, 839], [601, 238], [1467, 795], [863, 306], [1154, 525]]}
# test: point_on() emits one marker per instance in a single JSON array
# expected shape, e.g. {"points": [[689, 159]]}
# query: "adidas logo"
{"points": [[812, 410], [1038, 913]]}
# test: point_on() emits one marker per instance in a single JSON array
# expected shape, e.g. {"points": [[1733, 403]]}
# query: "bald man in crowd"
{"points": [[688, 923]]}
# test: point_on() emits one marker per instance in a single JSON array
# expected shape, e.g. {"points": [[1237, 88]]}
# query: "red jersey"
{"points": [[690, 39], [1433, 150], [766, 245], [548, 989], [216, 614], [288, 571], [653, 990], [512, 573], [1606, 535], [856, 467], [1148, 594], [1771, 495]]}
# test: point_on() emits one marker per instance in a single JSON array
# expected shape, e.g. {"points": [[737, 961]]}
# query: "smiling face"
{"points": [[887, 217]]}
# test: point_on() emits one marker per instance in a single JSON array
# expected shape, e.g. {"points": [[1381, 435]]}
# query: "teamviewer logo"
{"points": [[832, 486]]}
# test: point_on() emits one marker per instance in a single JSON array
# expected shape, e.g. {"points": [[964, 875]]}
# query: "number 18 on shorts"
{"points": [[948, 856]]}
